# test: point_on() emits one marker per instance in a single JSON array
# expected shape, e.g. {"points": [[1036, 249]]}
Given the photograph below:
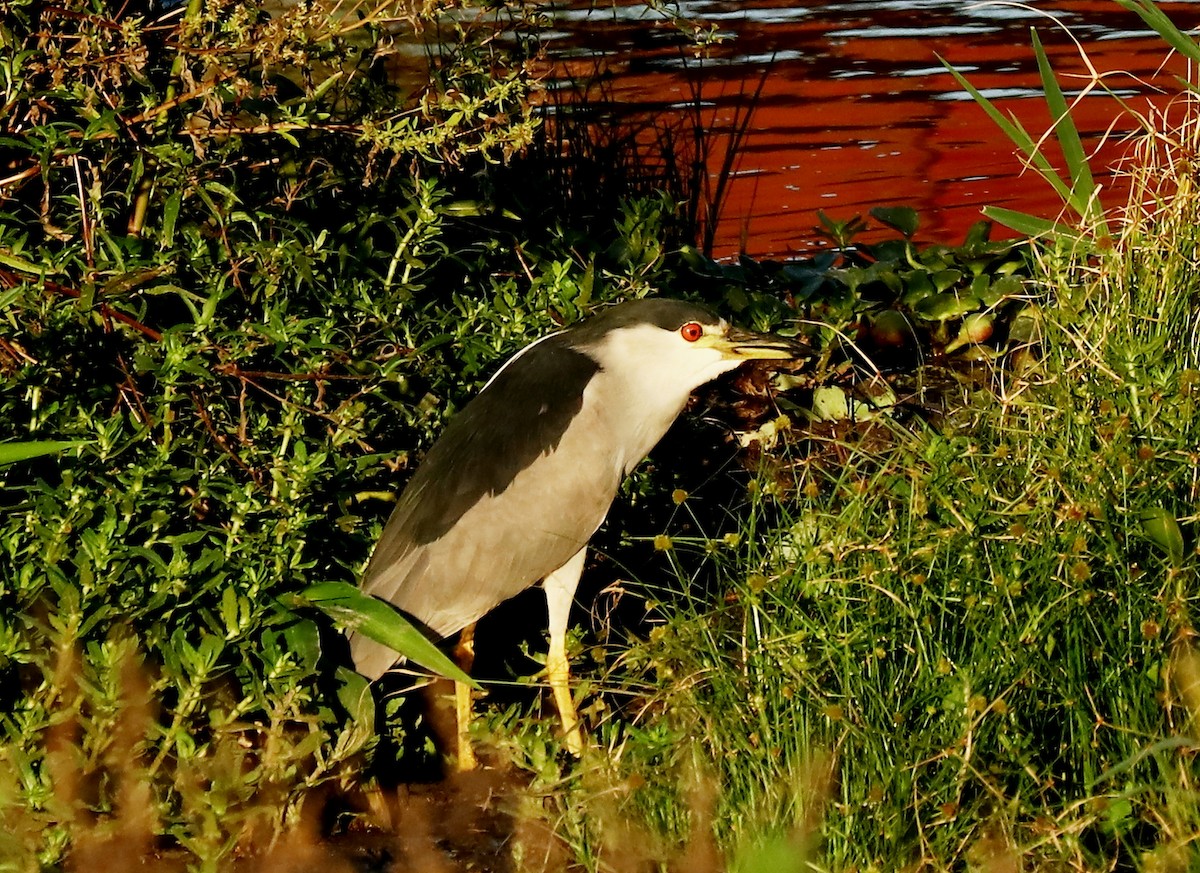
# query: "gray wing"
{"points": [[480, 522]]}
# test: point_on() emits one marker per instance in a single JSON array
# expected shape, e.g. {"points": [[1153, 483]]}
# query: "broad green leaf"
{"points": [[901, 218], [976, 328], [978, 235], [946, 279], [1161, 528], [11, 453], [831, 403], [304, 639], [381, 622], [943, 307], [354, 693], [918, 286]]}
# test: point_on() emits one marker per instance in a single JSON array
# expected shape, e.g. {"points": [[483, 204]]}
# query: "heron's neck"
{"points": [[630, 416], [642, 387]]}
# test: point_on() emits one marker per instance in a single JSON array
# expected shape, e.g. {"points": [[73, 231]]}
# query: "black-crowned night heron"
{"points": [[524, 475]]}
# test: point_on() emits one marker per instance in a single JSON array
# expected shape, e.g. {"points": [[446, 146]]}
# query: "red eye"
{"points": [[691, 331]]}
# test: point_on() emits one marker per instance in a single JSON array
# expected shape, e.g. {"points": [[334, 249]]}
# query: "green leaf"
{"points": [[1158, 20], [304, 639], [11, 453], [918, 286], [321, 89], [170, 215], [943, 280], [1031, 225], [21, 265], [978, 235], [381, 622], [976, 328], [1012, 128], [1083, 198], [462, 208], [1168, 744], [354, 693], [901, 218], [1162, 529], [945, 306]]}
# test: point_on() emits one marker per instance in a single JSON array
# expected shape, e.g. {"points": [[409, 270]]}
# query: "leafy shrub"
{"points": [[232, 264]]}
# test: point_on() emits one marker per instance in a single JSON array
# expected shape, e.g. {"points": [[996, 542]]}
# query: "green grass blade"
{"points": [[1015, 132], [1030, 225], [1161, 24], [1083, 187], [11, 453], [1064, 125], [1166, 744], [381, 622]]}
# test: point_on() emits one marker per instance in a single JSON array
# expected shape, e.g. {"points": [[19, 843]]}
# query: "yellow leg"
{"points": [[560, 593], [464, 654], [559, 674]]}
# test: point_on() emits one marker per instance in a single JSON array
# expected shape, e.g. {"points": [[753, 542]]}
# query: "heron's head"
{"points": [[673, 347]]}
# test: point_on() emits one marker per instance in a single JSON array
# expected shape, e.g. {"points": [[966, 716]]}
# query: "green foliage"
{"points": [[889, 300], [1164, 27], [250, 276], [979, 602]]}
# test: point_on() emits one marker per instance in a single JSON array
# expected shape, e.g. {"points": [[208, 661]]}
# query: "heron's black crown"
{"points": [[666, 314]]}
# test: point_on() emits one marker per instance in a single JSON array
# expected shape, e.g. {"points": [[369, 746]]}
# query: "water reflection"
{"points": [[855, 110]]}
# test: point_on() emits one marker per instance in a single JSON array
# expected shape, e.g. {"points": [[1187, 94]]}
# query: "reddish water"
{"points": [[857, 112]]}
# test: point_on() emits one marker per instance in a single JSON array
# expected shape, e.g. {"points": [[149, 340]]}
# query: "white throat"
{"points": [[647, 376]]}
